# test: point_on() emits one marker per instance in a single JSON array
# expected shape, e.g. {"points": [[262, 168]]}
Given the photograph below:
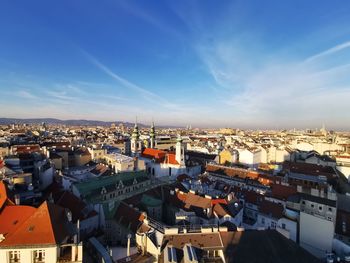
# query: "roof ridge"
{"points": [[51, 223]]}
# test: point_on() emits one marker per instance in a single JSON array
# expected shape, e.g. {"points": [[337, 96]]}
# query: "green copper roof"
{"points": [[93, 187], [150, 201]]}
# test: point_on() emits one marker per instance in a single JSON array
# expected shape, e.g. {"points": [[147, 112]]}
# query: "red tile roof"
{"points": [[252, 197], [26, 148], [309, 169], [171, 159], [220, 210], [219, 201], [13, 216], [46, 226], [151, 153], [4, 196], [128, 217], [272, 209], [75, 205], [282, 192], [160, 156]]}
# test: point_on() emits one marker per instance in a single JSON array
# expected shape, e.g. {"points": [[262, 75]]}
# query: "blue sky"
{"points": [[248, 64]]}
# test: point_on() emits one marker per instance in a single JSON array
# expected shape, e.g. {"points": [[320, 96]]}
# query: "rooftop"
{"points": [[263, 247]]}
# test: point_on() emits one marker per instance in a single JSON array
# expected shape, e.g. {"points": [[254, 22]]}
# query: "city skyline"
{"points": [[229, 64]]}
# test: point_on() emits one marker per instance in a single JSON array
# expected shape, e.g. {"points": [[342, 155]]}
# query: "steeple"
{"points": [[180, 151], [152, 136], [135, 139], [135, 133]]}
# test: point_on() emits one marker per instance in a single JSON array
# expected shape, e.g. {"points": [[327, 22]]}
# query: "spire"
{"points": [[152, 135], [152, 131], [178, 139], [135, 133], [136, 122]]}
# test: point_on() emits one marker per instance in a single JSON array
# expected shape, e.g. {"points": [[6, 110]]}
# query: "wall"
{"points": [[57, 163], [26, 254], [46, 178], [4, 151], [269, 222], [316, 234], [290, 226], [225, 156]]}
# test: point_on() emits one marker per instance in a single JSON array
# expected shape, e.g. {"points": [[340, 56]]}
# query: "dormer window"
{"points": [[103, 191]]}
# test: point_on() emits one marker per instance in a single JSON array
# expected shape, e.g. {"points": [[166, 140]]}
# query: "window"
{"points": [[14, 256], [263, 220], [273, 225], [320, 208], [312, 205], [39, 256], [330, 209], [284, 226]]}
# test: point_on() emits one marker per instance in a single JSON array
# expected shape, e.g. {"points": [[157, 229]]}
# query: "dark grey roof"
{"points": [[344, 202], [263, 247], [318, 199]]}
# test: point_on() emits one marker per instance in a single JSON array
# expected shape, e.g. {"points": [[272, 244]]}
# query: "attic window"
{"points": [[31, 228]]}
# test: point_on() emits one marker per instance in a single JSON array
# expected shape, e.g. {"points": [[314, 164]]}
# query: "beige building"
{"points": [[120, 163]]}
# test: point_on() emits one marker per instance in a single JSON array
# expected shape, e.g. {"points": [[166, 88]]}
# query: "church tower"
{"points": [[152, 136], [135, 140], [180, 151]]}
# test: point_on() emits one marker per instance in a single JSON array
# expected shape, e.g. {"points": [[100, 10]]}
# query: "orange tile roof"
{"points": [[171, 158], [151, 153], [4, 198], [12, 217], [46, 226], [219, 201]]}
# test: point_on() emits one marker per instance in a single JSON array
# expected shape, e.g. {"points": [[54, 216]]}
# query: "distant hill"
{"points": [[7, 121]]}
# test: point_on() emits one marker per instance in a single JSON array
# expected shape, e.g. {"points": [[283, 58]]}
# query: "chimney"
{"points": [[128, 247], [17, 199], [78, 230], [69, 215]]}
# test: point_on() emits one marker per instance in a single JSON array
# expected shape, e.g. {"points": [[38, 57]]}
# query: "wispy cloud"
{"points": [[275, 90], [330, 51], [148, 95], [148, 17], [25, 94]]}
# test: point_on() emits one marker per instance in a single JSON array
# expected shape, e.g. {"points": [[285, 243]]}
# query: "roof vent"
{"points": [[69, 215]]}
